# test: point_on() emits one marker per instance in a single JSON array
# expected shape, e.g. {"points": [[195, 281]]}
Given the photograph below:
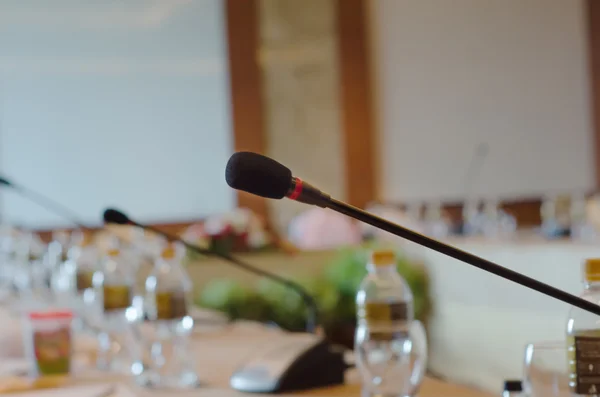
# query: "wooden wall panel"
{"points": [[593, 14], [356, 102], [175, 229], [527, 212], [246, 87]]}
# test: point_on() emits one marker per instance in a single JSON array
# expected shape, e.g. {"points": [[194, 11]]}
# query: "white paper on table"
{"points": [[78, 391]]}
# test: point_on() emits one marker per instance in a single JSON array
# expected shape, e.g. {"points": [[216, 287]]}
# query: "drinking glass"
{"points": [[545, 370], [392, 368]]}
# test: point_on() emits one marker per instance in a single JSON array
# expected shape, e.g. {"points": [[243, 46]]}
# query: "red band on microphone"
{"points": [[297, 190]]}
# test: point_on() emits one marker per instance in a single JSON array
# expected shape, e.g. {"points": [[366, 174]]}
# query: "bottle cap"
{"points": [[592, 269], [168, 252], [86, 240], [383, 258], [513, 386]]}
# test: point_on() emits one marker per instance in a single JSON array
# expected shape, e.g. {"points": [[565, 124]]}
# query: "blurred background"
{"points": [[139, 104], [472, 121]]}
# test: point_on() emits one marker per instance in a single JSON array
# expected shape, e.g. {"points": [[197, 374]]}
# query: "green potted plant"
{"points": [[334, 291]]}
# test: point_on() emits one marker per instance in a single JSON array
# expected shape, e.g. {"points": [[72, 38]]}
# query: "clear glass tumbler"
{"points": [[546, 370]]}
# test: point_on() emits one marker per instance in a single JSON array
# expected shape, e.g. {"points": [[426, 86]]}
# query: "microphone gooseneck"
{"points": [[112, 215], [45, 202], [239, 177], [5, 182]]}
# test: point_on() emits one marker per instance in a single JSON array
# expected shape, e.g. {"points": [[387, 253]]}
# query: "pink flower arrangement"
{"points": [[237, 231]]}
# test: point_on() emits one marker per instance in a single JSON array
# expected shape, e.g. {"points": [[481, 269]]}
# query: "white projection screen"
{"points": [[122, 103], [509, 74]]}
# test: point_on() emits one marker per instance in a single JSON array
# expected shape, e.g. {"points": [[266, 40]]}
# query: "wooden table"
{"points": [[430, 388], [219, 352]]}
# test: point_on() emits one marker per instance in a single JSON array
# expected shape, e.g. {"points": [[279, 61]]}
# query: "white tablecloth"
{"points": [[482, 323]]}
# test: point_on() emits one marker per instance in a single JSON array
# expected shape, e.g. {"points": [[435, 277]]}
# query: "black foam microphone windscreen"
{"points": [[257, 174], [112, 215]]}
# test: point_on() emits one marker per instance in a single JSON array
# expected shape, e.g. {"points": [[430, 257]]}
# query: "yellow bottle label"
{"points": [[116, 297], [382, 312], [385, 314], [386, 336], [84, 280], [170, 305], [583, 353]]}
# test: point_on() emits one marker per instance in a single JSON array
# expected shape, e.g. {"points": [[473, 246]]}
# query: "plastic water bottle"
{"points": [[87, 262], [167, 329], [390, 346], [54, 259], [148, 248], [73, 277], [132, 254], [119, 337], [583, 337]]}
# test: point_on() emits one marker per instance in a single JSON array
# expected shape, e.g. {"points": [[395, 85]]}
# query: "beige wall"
{"points": [[450, 75], [300, 75]]}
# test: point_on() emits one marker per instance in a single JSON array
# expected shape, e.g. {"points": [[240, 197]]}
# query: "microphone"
{"points": [[265, 177], [44, 202], [296, 361], [114, 216]]}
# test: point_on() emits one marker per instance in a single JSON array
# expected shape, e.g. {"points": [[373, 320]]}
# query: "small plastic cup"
{"points": [[49, 342]]}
